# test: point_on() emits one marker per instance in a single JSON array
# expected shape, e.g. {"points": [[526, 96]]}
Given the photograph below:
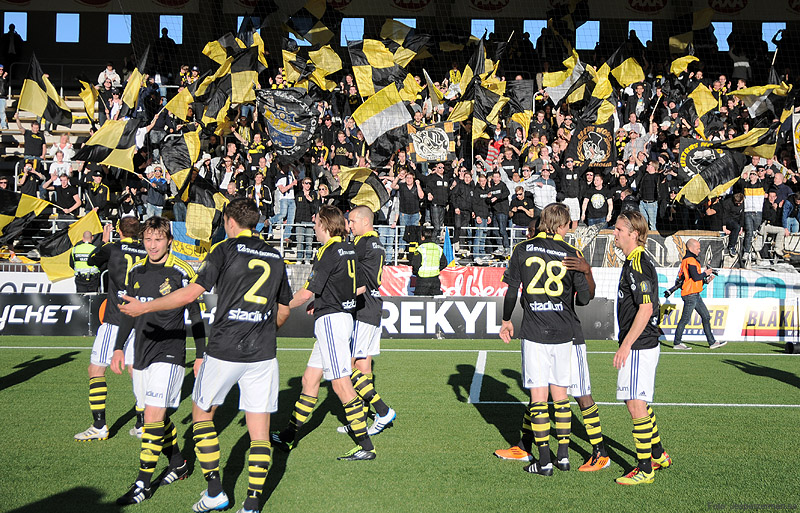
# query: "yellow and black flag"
{"points": [[361, 186], [204, 209], [759, 141], [381, 112], [434, 93], [16, 211], [89, 96], [625, 69], [180, 103], [593, 144], [474, 68], [602, 103], [486, 110], [404, 42], [700, 105], [57, 249], [317, 22], [130, 96], [113, 144], [290, 117], [217, 94], [559, 84], [686, 27], [230, 45], [520, 102], [180, 151], [714, 179], [567, 17], [373, 66], [295, 67], [681, 64], [766, 99], [39, 97]]}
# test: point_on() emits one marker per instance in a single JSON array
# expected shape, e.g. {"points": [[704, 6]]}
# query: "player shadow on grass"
{"points": [[618, 453], [768, 372], [33, 367], [78, 500]]}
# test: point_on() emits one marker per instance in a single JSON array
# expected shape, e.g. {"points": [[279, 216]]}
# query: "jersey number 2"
{"points": [[555, 271], [251, 296]]}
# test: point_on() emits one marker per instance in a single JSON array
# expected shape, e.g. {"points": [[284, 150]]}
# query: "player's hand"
{"points": [[132, 306], [118, 361], [310, 308], [507, 331], [621, 356], [196, 367], [577, 263]]}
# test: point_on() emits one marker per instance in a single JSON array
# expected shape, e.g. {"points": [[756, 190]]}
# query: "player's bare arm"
{"points": [[177, 299]]}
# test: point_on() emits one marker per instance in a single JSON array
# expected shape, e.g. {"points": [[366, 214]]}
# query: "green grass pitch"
{"points": [[727, 452]]}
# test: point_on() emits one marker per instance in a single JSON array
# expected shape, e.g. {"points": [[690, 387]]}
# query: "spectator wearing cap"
{"points": [[3, 94], [96, 194], [156, 193], [772, 224], [111, 74]]}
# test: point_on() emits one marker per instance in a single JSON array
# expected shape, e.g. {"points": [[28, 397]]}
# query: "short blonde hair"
{"points": [[554, 216], [636, 223]]}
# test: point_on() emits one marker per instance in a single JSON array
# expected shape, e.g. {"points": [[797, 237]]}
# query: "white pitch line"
{"points": [[699, 405], [477, 379], [663, 353]]}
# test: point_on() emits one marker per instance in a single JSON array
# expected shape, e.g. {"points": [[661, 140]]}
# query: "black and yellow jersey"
{"points": [[251, 281], [333, 278], [638, 284], [548, 288], [160, 336], [118, 257], [370, 255]]}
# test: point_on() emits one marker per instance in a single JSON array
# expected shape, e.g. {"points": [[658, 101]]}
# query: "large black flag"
{"points": [[593, 144], [291, 119]]}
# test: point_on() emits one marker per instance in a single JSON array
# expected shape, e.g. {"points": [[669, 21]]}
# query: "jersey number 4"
{"points": [[251, 296], [555, 272]]}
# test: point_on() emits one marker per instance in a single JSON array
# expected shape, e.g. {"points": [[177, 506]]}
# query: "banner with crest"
{"points": [[290, 118], [433, 143]]}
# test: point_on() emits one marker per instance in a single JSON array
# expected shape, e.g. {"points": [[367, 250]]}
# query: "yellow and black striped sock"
{"points": [[152, 442], [171, 450], [98, 391], [365, 388], [655, 439], [302, 411], [526, 440], [206, 446], [354, 413], [563, 414], [540, 422], [139, 416], [591, 421], [257, 467], [642, 431]]}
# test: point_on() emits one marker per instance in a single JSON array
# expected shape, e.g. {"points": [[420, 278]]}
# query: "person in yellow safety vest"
{"points": [[693, 281], [87, 277], [426, 264]]}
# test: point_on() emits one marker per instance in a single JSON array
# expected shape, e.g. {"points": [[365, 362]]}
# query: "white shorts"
{"points": [[366, 340], [258, 384], [637, 379], [581, 384], [574, 208], [103, 347], [158, 385], [331, 351], [545, 364]]}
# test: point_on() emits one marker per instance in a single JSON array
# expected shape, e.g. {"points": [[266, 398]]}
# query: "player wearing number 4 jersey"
{"points": [[332, 284], [253, 295], [638, 316], [547, 332], [118, 258]]}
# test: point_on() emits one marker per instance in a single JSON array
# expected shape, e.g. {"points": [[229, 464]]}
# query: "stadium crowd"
{"points": [[497, 182]]}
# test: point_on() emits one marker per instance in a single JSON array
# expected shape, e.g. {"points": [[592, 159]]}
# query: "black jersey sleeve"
{"points": [[644, 286], [320, 273], [211, 268], [100, 256]]}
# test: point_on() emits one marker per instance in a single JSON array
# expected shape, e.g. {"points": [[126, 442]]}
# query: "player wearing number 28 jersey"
{"points": [[547, 330]]}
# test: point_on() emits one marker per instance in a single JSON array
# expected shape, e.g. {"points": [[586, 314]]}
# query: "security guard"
{"points": [[693, 282], [87, 277], [426, 264]]}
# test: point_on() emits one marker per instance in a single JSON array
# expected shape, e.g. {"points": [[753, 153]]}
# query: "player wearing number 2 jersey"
{"points": [[547, 330], [253, 297], [118, 257]]}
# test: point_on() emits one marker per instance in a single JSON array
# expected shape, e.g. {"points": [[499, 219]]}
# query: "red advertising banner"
{"points": [[456, 281]]}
